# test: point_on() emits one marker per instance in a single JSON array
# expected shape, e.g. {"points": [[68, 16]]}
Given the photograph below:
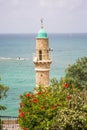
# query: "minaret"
{"points": [[42, 59]]}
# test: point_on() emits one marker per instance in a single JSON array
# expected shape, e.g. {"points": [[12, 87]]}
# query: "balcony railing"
{"points": [[9, 123], [42, 57]]}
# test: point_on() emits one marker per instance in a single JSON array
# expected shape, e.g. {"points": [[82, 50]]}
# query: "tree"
{"points": [[3, 94], [74, 115], [3, 90], [77, 73], [57, 107], [61, 106]]}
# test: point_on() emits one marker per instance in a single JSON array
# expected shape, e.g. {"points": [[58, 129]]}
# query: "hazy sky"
{"points": [[60, 16]]}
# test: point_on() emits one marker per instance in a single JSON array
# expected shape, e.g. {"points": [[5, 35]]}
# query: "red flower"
{"points": [[32, 96], [28, 95], [25, 128], [68, 97], [42, 107], [22, 114], [35, 100], [21, 105], [66, 85], [39, 93], [19, 110]]}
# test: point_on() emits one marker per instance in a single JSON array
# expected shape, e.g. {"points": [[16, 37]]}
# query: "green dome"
{"points": [[42, 33]]}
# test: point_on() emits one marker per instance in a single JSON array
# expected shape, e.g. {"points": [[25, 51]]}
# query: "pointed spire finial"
{"points": [[41, 22]]}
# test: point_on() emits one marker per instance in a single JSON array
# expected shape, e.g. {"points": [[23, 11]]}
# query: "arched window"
{"points": [[40, 55]]}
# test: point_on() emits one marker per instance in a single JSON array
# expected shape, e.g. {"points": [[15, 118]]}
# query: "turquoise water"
{"points": [[19, 75]]}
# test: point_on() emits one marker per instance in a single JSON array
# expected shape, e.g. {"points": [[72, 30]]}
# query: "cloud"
{"points": [[60, 4], [52, 3], [60, 15]]}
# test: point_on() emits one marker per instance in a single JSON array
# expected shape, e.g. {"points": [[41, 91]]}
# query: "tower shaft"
{"points": [[42, 59]]}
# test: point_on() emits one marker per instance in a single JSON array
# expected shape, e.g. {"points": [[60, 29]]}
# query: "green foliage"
{"points": [[76, 74], [70, 119], [3, 94], [59, 107], [37, 111], [74, 116]]}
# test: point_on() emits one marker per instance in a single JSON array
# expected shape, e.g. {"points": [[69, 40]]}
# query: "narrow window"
{"points": [[40, 55]]}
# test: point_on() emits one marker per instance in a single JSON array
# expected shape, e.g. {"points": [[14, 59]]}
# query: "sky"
{"points": [[60, 16]]}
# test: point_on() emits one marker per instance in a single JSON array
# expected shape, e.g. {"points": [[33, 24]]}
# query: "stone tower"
{"points": [[42, 59]]}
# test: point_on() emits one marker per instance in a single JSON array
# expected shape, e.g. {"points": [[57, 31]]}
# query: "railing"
{"points": [[9, 123], [42, 57]]}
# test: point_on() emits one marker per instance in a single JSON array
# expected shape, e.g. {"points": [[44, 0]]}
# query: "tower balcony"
{"points": [[44, 58]]}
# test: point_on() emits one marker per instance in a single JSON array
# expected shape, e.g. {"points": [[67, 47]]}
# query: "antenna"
{"points": [[41, 22]]}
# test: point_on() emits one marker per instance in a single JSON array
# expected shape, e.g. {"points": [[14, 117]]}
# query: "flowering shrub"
{"points": [[56, 107], [73, 116]]}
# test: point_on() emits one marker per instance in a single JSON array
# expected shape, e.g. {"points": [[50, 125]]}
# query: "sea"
{"points": [[17, 70]]}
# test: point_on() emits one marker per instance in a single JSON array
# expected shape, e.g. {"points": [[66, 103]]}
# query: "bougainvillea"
{"points": [[54, 107]]}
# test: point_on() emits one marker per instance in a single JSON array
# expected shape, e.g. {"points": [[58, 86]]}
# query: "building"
{"points": [[42, 59]]}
